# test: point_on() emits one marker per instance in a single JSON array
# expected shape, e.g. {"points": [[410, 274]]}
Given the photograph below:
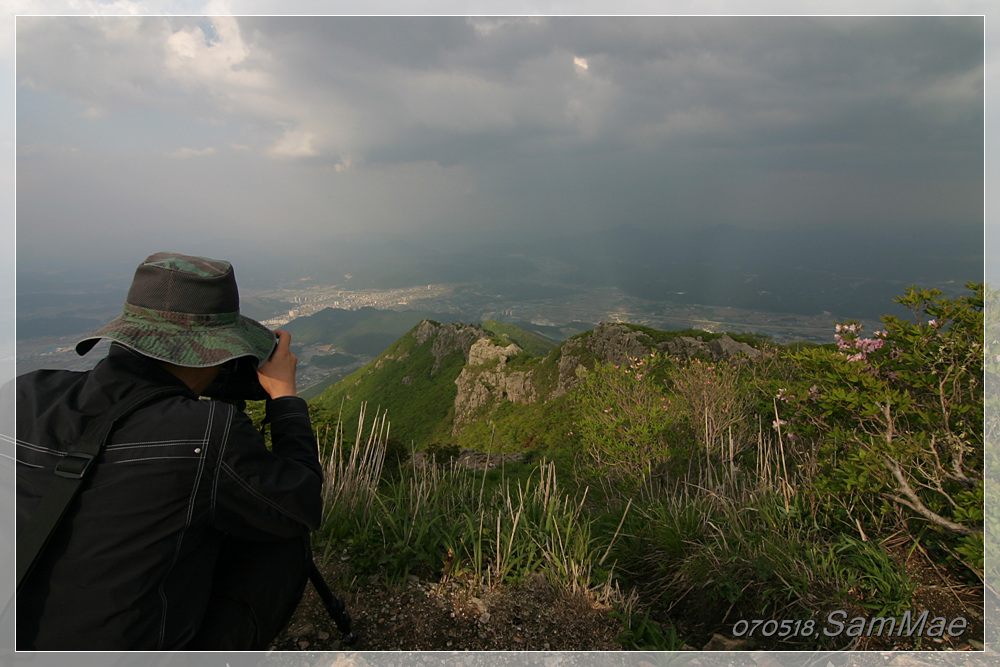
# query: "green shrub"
{"points": [[624, 421], [898, 417]]}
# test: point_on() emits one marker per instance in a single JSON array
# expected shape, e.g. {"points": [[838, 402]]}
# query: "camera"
{"points": [[237, 381]]}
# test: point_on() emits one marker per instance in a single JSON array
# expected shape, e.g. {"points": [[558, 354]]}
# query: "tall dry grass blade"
{"points": [[615, 536], [350, 479]]}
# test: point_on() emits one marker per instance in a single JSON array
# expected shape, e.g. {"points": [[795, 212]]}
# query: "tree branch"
{"points": [[911, 500]]}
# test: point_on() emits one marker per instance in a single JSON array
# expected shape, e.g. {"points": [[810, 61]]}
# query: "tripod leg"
{"points": [[334, 605]]}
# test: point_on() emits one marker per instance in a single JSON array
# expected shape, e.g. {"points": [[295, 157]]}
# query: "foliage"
{"points": [[440, 521], [544, 427], [624, 421], [716, 404], [898, 417]]}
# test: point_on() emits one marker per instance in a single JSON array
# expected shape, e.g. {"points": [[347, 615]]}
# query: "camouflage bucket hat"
{"points": [[185, 310]]}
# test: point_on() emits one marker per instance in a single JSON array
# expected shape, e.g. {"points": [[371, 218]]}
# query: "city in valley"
{"points": [[476, 302]]}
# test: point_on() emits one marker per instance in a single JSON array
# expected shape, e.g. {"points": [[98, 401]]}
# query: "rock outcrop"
{"points": [[609, 342], [447, 338], [717, 350], [486, 381], [617, 343]]}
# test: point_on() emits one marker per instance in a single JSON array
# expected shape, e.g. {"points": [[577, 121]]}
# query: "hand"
{"points": [[277, 374]]}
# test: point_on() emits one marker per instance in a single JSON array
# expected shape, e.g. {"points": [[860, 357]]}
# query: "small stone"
{"points": [[484, 618], [304, 644], [323, 636], [301, 630]]}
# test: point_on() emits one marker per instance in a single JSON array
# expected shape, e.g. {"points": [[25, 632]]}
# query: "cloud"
{"points": [[543, 121], [184, 153], [294, 143], [308, 88]]}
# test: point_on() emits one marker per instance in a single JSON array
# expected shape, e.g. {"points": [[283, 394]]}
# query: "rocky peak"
{"points": [[483, 383], [609, 342], [484, 351], [616, 343], [717, 350], [447, 338]]}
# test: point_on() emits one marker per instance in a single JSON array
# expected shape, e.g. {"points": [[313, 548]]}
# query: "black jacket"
{"points": [[130, 566]]}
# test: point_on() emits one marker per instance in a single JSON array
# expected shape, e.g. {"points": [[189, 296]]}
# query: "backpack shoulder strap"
{"points": [[70, 472]]}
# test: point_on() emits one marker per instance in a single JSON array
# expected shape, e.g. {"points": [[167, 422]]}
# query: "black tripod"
{"points": [[334, 606]]}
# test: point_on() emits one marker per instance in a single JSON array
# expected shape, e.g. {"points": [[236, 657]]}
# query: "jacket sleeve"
{"points": [[268, 495]]}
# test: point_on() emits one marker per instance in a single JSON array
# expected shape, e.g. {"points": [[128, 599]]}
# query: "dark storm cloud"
{"points": [[338, 124], [840, 88]]}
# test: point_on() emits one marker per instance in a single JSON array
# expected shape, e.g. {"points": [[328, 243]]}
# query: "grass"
{"points": [[442, 520], [655, 557]]}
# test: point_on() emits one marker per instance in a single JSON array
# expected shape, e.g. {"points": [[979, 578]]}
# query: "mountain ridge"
{"points": [[438, 379]]}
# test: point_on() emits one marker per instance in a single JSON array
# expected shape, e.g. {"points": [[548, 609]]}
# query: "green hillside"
{"points": [[416, 386], [365, 331]]}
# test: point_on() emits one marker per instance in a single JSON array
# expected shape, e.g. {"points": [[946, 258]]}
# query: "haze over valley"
{"points": [[789, 286]]}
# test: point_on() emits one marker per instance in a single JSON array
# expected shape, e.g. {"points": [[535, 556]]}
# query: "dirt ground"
{"points": [[452, 616], [421, 615]]}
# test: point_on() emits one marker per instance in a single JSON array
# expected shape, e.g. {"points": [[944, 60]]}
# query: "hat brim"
{"points": [[195, 341]]}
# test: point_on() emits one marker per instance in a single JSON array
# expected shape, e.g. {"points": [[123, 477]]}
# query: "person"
{"points": [[188, 533]]}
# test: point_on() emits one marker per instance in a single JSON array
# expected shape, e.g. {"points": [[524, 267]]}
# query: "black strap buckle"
{"points": [[74, 465]]}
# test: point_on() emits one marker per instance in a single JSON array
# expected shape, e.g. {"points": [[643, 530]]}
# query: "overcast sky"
{"points": [[136, 134]]}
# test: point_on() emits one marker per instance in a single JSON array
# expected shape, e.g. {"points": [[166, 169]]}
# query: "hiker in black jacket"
{"points": [[187, 533]]}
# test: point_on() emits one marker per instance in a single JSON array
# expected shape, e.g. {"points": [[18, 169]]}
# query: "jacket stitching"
{"points": [[187, 523], [153, 458], [249, 489], [222, 453], [154, 443], [39, 448]]}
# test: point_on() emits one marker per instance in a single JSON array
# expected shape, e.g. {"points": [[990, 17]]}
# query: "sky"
{"points": [[200, 133]]}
